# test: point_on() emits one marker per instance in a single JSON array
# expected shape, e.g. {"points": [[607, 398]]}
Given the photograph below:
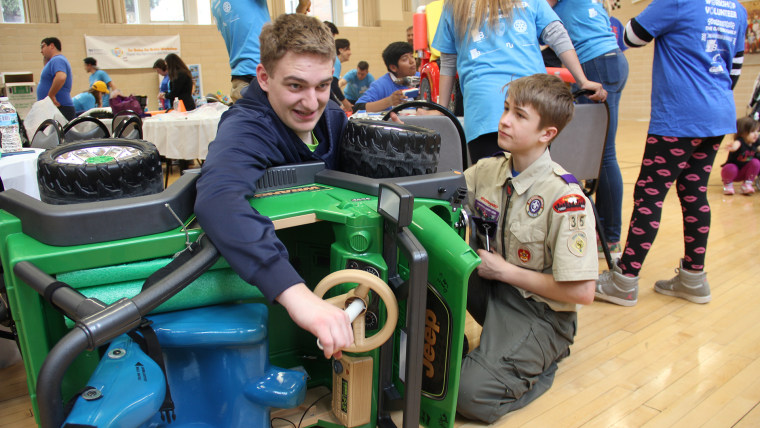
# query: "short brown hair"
{"points": [[745, 125], [295, 33], [548, 95]]}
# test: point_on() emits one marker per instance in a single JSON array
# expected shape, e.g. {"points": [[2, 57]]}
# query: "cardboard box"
{"points": [[20, 89], [22, 96]]}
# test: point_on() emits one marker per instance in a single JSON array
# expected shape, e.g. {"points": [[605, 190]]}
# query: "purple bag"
{"points": [[121, 103]]}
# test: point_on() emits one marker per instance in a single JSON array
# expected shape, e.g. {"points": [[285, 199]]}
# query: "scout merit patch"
{"points": [[576, 243], [487, 210], [523, 253], [569, 203], [535, 206]]}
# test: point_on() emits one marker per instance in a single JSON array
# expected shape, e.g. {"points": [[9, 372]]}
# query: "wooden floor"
{"points": [[664, 362]]}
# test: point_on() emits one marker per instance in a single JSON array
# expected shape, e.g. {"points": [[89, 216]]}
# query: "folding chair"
{"points": [[454, 154], [579, 149], [84, 128], [48, 135]]}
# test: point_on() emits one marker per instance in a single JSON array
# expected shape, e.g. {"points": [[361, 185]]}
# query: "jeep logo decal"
{"points": [[435, 361]]}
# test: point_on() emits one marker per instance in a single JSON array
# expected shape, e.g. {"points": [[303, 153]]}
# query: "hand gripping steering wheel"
{"points": [[366, 282]]}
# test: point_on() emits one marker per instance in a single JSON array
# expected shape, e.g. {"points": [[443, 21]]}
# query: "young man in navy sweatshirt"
{"points": [[283, 118]]}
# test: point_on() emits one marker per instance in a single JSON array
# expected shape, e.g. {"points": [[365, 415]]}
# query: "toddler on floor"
{"points": [[742, 165]]}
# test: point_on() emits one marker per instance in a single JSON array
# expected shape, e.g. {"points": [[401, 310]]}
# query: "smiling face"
{"points": [[298, 88], [519, 131], [405, 67]]}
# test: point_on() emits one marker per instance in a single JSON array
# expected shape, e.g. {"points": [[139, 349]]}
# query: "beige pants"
{"points": [[237, 86]]}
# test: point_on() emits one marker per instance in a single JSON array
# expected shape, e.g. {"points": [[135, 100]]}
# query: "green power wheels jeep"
{"points": [[92, 260]]}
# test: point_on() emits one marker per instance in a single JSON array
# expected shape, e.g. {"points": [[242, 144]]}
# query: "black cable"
{"points": [[282, 419], [312, 405]]}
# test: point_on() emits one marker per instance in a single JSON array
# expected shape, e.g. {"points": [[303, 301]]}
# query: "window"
{"points": [[167, 11], [12, 11], [343, 13]]}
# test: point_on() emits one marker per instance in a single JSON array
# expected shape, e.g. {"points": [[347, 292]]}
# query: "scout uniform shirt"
{"points": [[546, 224]]}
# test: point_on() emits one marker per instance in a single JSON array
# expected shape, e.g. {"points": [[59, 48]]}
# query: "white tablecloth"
{"points": [[182, 135], [19, 171]]}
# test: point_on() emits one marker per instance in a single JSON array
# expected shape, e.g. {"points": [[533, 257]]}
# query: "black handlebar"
{"points": [[97, 324]]}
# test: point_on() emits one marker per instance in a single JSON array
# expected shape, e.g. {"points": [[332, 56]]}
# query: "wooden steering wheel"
{"points": [[366, 282]]}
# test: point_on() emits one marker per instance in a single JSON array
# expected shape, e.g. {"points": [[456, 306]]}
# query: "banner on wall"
{"points": [[130, 51]]}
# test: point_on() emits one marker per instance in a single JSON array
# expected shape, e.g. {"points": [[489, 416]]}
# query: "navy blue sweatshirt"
{"points": [[250, 139]]}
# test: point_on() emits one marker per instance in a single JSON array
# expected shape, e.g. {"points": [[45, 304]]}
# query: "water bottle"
{"points": [[11, 139], [175, 104]]}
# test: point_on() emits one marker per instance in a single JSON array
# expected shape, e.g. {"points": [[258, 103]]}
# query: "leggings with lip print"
{"points": [[687, 162]]}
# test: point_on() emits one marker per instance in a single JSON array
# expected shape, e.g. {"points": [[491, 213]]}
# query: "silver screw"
{"points": [[92, 394]]}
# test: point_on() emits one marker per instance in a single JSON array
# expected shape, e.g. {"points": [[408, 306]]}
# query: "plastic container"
{"points": [[9, 132]]}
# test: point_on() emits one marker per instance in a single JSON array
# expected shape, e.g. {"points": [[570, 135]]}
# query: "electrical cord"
{"points": [[271, 422], [312, 405]]}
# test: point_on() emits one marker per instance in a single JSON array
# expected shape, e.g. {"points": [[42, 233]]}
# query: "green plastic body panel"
{"points": [[348, 233]]}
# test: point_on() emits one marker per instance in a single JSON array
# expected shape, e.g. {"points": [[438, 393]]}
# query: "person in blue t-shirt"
{"points": [[92, 98], [343, 49], [96, 74], [386, 91], [240, 22], [698, 56], [56, 77], [589, 28], [356, 82], [490, 50], [163, 88]]}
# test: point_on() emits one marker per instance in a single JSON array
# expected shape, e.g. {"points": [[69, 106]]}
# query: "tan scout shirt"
{"points": [[546, 225]]}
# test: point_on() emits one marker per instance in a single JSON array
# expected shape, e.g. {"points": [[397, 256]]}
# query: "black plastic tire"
{"points": [[100, 178], [383, 150]]}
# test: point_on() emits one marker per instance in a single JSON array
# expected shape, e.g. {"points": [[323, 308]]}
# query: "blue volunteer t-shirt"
{"points": [[84, 102], [56, 64], [487, 60], [164, 87], [695, 43], [336, 68], [588, 25], [105, 78], [379, 89], [355, 88], [240, 23]]}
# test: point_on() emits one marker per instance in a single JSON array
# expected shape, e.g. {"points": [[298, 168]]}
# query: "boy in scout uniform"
{"points": [[539, 267]]}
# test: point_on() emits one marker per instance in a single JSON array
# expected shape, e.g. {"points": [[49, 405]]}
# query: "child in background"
{"points": [[742, 164], [91, 98]]}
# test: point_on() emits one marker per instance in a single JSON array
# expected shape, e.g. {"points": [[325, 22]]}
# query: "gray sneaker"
{"points": [[614, 287], [686, 285]]}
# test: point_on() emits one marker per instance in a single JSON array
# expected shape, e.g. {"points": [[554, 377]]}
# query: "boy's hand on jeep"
{"points": [[328, 323], [492, 265]]}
